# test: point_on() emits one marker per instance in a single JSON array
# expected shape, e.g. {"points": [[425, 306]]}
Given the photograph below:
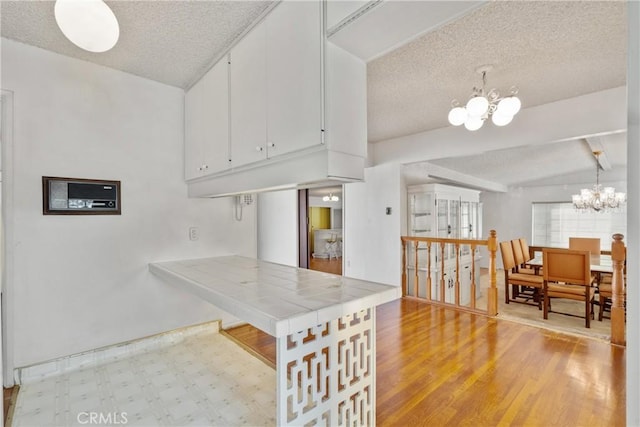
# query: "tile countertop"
{"points": [[275, 298]]}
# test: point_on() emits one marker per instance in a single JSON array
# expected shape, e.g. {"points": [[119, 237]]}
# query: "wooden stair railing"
{"points": [[618, 255], [436, 248]]}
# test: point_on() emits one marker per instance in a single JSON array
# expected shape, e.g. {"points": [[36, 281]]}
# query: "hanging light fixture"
{"points": [[89, 24], [481, 106], [330, 198], [598, 199]]}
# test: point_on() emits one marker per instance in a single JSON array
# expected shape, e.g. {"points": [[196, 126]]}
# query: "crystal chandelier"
{"points": [[597, 198], [483, 105]]}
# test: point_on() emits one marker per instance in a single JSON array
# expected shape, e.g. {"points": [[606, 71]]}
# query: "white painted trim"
{"points": [[632, 239], [92, 358], [8, 329]]}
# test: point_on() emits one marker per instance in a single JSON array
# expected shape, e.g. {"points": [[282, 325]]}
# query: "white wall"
{"points": [[278, 227], [82, 282], [510, 213], [633, 215], [372, 248]]}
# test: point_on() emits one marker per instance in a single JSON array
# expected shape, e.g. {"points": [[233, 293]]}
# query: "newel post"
{"points": [[618, 255], [492, 296], [404, 266]]}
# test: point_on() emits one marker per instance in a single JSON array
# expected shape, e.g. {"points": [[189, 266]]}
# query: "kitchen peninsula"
{"points": [[324, 326]]}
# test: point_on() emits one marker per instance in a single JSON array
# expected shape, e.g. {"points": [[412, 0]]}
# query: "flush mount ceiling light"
{"points": [[89, 24], [330, 198], [598, 199], [483, 105]]}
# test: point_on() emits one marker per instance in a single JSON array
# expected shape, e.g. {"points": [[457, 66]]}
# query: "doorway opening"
{"points": [[321, 240]]}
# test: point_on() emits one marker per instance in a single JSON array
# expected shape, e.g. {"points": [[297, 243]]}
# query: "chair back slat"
{"points": [[585, 244], [517, 252], [566, 265], [525, 249], [508, 262]]}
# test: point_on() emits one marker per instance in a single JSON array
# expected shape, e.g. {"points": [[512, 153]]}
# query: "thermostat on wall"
{"points": [[77, 196]]}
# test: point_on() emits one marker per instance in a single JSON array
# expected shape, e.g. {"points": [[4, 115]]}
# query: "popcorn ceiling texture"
{"points": [[173, 42], [550, 50]]}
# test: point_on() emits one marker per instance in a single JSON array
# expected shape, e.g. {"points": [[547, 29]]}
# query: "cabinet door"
{"points": [[420, 219], [442, 219], [194, 131], [293, 77], [248, 98], [215, 150]]}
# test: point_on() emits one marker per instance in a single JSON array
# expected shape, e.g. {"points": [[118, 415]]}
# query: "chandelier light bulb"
{"points": [[477, 106], [473, 123], [457, 116], [89, 24], [501, 119], [484, 104], [509, 106], [330, 198]]}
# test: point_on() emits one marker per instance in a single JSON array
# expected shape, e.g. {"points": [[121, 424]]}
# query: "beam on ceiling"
{"points": [[595, 143], [460, 178], [403, 21], [597, 113]]}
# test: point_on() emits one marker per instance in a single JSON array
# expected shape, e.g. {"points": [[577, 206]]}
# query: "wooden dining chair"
{"points": [[525, 249], [520, 258], [530, 283], [567, 274], [585, 244]]}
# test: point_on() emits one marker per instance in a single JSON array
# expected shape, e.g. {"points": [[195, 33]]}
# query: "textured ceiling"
{"points": [[550, 50], [172, 42]]}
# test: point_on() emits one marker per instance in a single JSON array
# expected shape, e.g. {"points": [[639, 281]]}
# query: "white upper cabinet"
{"points": [[249, 98], [296, 112], [294, 79], [276, 87], [193, 131], [207, 124]]}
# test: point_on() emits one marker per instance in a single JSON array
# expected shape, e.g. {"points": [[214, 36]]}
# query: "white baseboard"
{"points": [[91, 358]]}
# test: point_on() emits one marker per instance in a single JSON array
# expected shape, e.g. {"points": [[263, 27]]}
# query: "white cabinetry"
{"points": [[207, 123], [294, 78], [296, 109], [446, 212], [276, 92], [249, 98]]}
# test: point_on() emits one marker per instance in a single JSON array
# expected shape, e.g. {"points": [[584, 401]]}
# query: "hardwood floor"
{"points": [[437, 366], [9, 401], [255, 341], [333, 266]]}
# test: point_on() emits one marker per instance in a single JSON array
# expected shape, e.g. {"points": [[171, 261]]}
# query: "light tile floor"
{"points": [[205, 380]]}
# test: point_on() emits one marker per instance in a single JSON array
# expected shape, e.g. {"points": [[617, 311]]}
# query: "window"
{"points": [[554, 223]]}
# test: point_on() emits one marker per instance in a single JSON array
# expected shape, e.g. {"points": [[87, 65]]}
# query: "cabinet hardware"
{"points": [[271, 145], [258, 148]]}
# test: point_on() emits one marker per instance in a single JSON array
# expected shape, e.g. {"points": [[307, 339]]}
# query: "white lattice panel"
{"points": [[326, 374]]}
